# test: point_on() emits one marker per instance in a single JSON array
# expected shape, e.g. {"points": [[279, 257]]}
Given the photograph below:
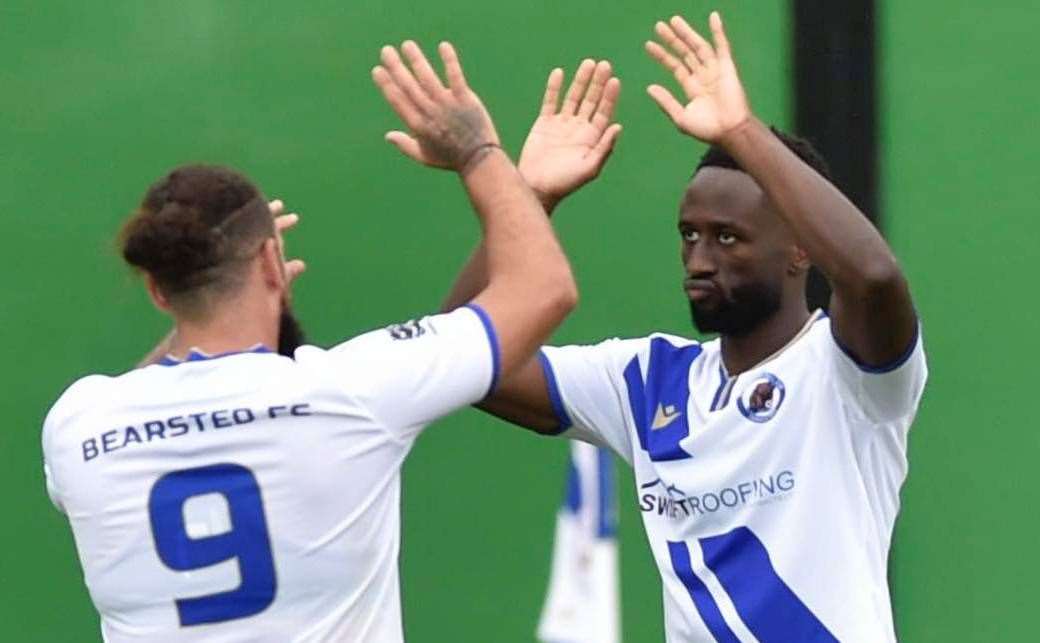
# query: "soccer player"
{"points": [[232, 493], [767, 461]]}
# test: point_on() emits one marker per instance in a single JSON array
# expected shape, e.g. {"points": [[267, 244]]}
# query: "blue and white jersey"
{"points": [[769, 497], [254, 497]]}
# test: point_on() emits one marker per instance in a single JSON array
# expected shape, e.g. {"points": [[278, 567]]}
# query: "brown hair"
{"points": [[194, 232]]}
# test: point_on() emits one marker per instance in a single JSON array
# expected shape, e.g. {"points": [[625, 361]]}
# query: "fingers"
{"points": [[453, 68], [600, 75], [701, 48], [605, 110], [276, 207], [677, 45], [404, 79], [668, 61], [428, 79], [286, 221], [578, 86], [718, 33], [552, 92], [294, 268], [605, 145], [402, 105], [664, 99], [406, 144]]}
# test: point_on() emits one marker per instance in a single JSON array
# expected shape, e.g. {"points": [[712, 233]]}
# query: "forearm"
{"points": [[471, 280], [473, 277], [518, 242], [838, 238], [529, 286]]}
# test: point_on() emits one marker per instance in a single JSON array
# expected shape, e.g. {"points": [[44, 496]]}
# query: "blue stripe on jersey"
{"points": [[572, 499], [722, 386], [667, 385], [702, 598], [496, 354], [607, 526], [555, 399], [768, 607]]}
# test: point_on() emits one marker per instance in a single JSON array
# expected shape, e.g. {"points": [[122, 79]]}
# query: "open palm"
{"points": [[568, 145], [708, 76]]}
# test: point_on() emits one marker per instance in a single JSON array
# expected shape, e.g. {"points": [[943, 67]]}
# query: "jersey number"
{"points": [[765, 603], [246, 541]]}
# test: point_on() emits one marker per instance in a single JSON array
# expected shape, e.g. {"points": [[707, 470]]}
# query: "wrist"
{"points": [[735, 137], [548, 201], [476, 156]]}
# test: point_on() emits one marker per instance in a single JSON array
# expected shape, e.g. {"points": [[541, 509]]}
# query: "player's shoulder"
{"points": [[83, 393]]}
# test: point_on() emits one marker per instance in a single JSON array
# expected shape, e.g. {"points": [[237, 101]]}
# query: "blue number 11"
{"points": [[247, 540]]}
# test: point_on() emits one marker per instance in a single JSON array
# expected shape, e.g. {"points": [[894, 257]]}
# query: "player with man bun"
{"points": [[245, 488]]}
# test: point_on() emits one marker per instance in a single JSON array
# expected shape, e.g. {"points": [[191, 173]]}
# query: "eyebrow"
{"points": [[718, 222]]}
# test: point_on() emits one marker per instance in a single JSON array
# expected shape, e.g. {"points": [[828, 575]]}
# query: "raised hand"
{"points": [[708, 76], [569, 144], [283, 222], [449, 125]]}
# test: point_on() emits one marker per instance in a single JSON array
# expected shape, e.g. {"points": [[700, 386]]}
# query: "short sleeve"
{"points": [[52, 486], [587, 391], [881, 393], [408, 375]]}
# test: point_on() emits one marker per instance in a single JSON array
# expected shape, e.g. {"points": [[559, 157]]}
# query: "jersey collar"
{"points": [[197, 355], [814, 317]]}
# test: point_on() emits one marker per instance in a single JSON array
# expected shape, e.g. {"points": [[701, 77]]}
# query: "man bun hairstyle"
{"points": [[716, 156], [195, 229]]}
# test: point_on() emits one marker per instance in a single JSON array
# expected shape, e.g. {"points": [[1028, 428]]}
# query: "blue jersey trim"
{"points": [[555, 399], [766, 604], [607, 527], [198, 356], [722, 387], [496, 354], [703, 601], [667, 385], [883, 368], [572, 499]]}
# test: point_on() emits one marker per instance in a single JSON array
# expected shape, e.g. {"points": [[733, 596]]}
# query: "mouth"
{"points": [[700, 289]]}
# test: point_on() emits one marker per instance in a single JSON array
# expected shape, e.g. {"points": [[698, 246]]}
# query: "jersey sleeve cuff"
{"points": [[882, 368], [492, 336], [555, 399]]}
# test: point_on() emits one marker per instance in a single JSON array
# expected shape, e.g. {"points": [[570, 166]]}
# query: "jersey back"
{"points": [[251, 496]]}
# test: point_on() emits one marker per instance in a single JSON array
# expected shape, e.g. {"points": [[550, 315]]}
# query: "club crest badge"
{"points": [[762, 398]]}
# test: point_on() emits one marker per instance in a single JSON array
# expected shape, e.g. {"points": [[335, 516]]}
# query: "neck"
{"points": [[238, 326], [739, 353]]}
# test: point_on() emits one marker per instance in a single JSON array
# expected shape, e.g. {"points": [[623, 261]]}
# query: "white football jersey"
{"points": [[254, 497], [769, 497]]}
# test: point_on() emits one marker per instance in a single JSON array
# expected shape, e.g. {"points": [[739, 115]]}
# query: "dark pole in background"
{"points": [[835, 99]]}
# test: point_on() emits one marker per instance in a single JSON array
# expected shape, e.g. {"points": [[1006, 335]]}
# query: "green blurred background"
{"points": [[99, 99]]}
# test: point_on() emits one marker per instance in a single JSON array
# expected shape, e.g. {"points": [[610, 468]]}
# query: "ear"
{"points": [[155, 293], [800, 262], [272, 267]]}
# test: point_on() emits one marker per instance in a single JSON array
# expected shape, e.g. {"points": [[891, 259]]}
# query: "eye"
{"points": [[690, 236], [727, 238]]}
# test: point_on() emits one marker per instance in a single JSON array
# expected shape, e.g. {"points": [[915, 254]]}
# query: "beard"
{"points": [[290, 334], [739, 312]]}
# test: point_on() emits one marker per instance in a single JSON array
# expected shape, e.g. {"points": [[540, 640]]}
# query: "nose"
{"points": [[698, 260]]}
